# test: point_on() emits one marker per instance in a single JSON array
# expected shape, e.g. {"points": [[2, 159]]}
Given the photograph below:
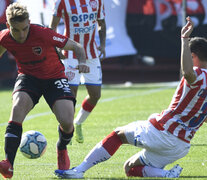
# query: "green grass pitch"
{"points": [[119, 105]]}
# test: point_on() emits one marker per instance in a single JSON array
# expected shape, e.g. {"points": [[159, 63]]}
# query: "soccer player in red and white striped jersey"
{"points": [[164, 137], [81, 18]]}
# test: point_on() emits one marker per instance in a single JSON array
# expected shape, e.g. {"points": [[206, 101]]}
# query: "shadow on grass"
{"points": [[141, 178]]}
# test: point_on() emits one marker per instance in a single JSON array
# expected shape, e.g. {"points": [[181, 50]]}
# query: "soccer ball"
{"points": [[33, 144]]}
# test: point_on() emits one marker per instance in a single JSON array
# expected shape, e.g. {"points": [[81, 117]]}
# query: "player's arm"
{"points": [[53, 25], [2, 50], [80, 54], [186, 56], [102, 37], [54, 22]]}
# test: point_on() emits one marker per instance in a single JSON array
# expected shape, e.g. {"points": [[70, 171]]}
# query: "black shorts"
{"points": [[51, 89]]}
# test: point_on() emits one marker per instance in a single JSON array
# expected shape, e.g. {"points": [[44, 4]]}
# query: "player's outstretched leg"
{"points": [[100, 153]]}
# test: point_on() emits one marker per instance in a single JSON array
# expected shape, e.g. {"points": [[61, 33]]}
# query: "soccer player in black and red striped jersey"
{"points": [[40, 72]]}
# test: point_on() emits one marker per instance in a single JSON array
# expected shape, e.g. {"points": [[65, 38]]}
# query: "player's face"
{"points": [[195, 59], [20, 30]]}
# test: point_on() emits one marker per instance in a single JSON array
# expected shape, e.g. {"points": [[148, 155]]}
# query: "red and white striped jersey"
{"points": [[80, 18], [188, 108]]}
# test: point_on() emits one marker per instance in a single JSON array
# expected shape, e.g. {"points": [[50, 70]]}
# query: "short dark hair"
{"points": [[198, 45], [16, 12]]}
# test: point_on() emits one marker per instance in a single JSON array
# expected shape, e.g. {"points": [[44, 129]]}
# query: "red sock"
{"points": [[86, 106], [136, 171], [111, 143]]}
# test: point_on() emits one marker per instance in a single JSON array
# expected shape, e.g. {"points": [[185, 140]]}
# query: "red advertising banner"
{"points": [[154, 25]]}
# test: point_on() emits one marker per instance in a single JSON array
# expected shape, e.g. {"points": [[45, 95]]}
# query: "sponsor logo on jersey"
{"points": [[73, 7], [84, 5], [84, 30], [70, 75], [84, 17], [37, 50], [202, 93], [184, 125], [66, 89], [33, 62], [58, 39], [93, 4]]}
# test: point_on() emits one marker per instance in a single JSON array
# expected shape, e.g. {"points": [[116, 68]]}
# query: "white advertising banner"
{"points": [[118, 43]]}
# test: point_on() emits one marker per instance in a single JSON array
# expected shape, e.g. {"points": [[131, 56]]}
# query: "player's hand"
{"points": [[188, 28], [102, 54], [83, 68]]}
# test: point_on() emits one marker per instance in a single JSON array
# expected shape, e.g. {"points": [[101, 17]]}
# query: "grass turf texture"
{"points": [[119, 105]]}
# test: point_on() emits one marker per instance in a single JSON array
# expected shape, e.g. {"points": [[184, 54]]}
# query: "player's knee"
{"points": [[95, 97], [22, 102], [126, 167], [67, 126], [121, 135]]}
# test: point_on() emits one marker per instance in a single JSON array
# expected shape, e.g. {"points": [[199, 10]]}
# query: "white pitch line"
{"points": [[101, 101]]}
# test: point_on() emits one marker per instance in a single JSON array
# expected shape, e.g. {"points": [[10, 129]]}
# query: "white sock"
{"points": [[81, 116], [153, 172], [96, 155]]}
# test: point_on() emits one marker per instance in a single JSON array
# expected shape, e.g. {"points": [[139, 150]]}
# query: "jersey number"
{"points": [[62, 83], [197, 120]]}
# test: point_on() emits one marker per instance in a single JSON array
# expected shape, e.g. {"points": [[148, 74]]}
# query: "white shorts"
{"points": [[159, 147], [94, 77]]}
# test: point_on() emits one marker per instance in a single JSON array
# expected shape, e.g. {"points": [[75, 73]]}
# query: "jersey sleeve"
{"points": [[58, 7], [54, 38], [1, 36], [199, 77], [101, 10]]}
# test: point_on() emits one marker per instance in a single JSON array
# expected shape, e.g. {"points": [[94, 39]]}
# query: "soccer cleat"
{"points": [[69, 174], [174, 172], [6, 169], [63, 161], [78, 133]]}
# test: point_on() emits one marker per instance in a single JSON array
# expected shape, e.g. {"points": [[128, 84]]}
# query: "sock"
{"points": [[84, 112], [136, 171], [12, 140], [146, 171], [111, 143], [64, 139], [149, 171], [101, 152]]}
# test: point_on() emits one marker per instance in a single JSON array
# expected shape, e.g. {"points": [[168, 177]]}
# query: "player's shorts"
{"points": [[94, 77], [51, 89], [159, 147]]}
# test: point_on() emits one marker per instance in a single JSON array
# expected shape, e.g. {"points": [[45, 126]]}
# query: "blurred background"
{"points": [[143, 37]]}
